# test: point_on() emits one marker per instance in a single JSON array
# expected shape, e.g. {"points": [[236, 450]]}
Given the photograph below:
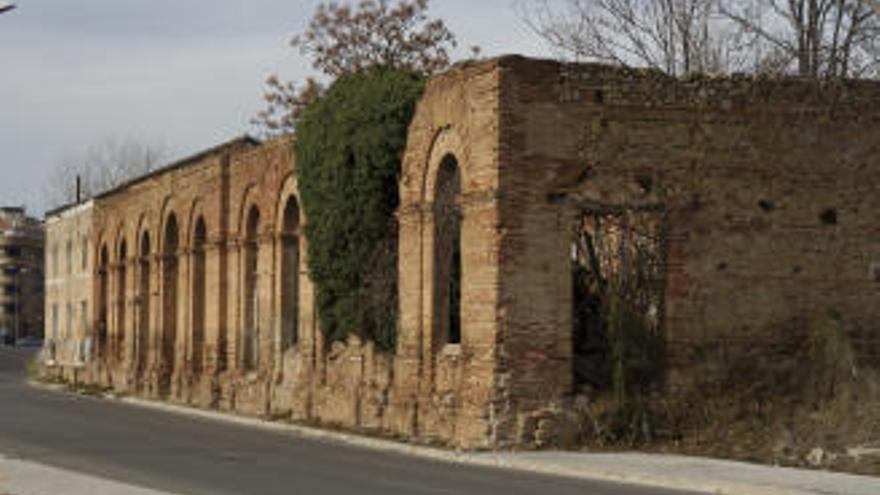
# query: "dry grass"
{"points": [[801, 401]]}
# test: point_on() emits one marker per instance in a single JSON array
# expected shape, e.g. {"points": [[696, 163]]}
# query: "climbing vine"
{"points": [[348, 150]]}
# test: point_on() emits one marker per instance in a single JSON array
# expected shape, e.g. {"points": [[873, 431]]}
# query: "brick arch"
{"points": [[289, 188], [446, 142], [249, 199], [100, 242], [167, 209], [143, 226], [195, 211]]}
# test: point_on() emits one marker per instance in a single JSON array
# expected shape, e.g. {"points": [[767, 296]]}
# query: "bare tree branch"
{"points": [[818, 38], [101, 167]]}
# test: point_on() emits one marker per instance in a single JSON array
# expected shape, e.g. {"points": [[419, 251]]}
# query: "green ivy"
{"points": [[348, 151]]}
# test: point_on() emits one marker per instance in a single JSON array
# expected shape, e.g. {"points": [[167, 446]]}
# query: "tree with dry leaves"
{"points": [[342, 40]]}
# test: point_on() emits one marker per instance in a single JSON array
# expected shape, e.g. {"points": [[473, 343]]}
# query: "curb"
{"points": [[503, 460]]}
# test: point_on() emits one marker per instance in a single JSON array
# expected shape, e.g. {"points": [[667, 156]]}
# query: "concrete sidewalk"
{"points": [[689, 473], [18, 477], [663, 471]]}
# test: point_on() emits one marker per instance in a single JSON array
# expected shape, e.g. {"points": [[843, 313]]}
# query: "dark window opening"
{"points": [[447, 251], [290, 257], [251, 336], [168, 354], [618, 292], [199, 297], [143, 342]]}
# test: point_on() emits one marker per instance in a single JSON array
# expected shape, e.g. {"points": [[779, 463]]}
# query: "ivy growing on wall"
{"points": [[348, 151]]}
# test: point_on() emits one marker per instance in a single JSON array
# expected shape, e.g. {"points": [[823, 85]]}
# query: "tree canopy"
{"points": [[341, 40]]}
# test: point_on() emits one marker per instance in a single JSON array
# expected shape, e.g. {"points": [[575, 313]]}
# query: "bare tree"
{"points": [[819, 38], [101, 167], [342, 40], [675, 36]]}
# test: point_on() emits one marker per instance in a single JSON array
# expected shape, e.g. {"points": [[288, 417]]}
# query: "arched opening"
{"points": [[103, 307], [447, 252], [120, 301], [290, 250], [198, 296], [143, 343], [250, 349], [169, 302]]}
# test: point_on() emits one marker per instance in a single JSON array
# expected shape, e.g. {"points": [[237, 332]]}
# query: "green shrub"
{"points": [[348, 151]]}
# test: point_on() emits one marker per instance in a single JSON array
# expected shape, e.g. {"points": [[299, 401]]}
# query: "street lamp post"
{"points": [[6, 6]]}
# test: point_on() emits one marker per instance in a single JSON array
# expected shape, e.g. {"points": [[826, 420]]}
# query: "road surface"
{"points": [[196, 456]]}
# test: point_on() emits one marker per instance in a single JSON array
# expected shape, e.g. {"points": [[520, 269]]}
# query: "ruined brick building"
{"points": [[742, 203]]}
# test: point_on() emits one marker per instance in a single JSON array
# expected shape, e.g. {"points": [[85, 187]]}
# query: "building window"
{"points": [[12, 251], [10, 289]]}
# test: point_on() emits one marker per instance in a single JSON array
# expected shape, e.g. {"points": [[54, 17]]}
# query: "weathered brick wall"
{"points": [[152, 346], [445, 391], [765, 190], [768, 187], [68, 286], [138, 218]]}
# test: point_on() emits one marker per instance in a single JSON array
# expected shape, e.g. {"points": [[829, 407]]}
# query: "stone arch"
{"points": [[250, 294], [170, 248], [199, 293]]}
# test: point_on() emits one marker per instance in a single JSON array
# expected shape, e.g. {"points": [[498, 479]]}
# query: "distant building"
{"points": [[68, 285], [21, 275]]}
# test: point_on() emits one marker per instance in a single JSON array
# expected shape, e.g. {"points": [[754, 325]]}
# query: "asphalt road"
{"points": [[195, 456]]}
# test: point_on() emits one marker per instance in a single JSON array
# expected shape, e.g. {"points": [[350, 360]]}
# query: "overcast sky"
{"points": [[187, 74]]}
